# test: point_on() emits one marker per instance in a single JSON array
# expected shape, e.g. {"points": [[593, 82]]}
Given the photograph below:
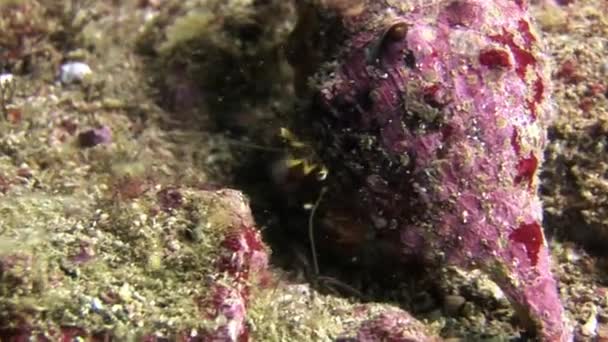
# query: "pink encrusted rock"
{"points": [[242, 254], [395, 325], [435, 113]]}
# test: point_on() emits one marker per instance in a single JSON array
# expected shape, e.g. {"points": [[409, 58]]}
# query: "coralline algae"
{"points": [[435, 112]]}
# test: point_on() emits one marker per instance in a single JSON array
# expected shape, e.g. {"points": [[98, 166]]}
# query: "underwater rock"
{"points": [[204, 278], [393, 325], [431, 117], [123, 280], [298, 312]]}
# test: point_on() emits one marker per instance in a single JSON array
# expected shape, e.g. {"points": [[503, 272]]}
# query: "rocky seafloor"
{"points": [[149, 189]]}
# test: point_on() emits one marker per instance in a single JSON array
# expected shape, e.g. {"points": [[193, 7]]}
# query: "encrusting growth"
{"points": [[431, 118]]}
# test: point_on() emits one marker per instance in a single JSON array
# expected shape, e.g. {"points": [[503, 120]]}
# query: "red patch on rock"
{"points": [[495, 59], [232, 242], [429, 95], [72, 334], [538, 88], [5, 184], [240, 247], [524, 30], [446, 132], [253, 239], [523, 57], [531, 236], [69, 126], [568, 71], [130, 188], [14, 115], [586, 104], [595, 89], [526, 169], [532, 106], [515, 141]]}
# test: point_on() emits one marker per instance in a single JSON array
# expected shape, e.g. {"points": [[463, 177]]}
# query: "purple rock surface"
{"points": [[435, 112], [393, 326]]}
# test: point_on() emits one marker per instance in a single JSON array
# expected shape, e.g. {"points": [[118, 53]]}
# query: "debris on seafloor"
{"points": [[95, 136], [72, 72]]}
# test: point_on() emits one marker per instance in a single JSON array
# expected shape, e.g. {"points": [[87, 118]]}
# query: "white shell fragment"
{"points": [[74, 72], [6, 79]]}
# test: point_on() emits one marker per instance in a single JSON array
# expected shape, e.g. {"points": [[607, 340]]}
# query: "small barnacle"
{"points": [[396, 32], [393, 34]]}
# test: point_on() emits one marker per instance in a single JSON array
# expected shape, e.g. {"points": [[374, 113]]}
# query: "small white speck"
{"points": [[96, 304], [590, 326], [465, 215], [6, 79], [74, 72]]}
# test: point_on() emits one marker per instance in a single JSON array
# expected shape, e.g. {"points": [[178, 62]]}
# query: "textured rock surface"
{"points": [[297, 312], [197, 270], [392, 326], [90, 291], [435, 113]]}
